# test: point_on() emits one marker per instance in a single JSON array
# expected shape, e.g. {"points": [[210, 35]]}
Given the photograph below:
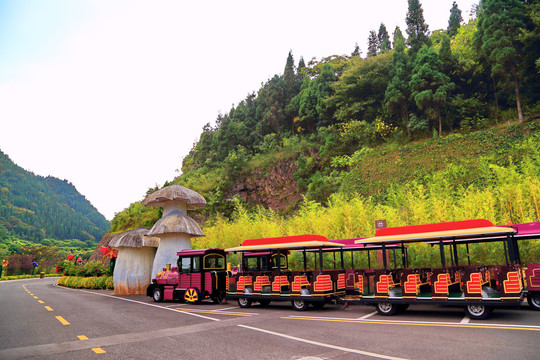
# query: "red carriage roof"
{"points": [[284, 242], [445, 226]]}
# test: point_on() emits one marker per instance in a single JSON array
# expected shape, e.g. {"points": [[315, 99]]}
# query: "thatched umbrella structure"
{"points": [[136, 251], [175, 228]]}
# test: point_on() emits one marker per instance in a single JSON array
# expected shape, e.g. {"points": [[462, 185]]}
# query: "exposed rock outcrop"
{"points": [[274, 187]]}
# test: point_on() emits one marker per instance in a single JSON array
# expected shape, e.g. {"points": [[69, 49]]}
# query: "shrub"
{"points": [[91, 282]]}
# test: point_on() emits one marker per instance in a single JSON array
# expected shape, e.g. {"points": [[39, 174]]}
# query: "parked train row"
{"points": [[263, 273]]}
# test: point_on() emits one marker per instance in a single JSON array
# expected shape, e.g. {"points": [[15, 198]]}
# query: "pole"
{"points": [[455, 252], [403, 255], [441, 249], [384, 256]]}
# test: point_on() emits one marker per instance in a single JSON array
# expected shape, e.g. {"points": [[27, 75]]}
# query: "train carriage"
{"points": [[477, 288], [264, 275]]}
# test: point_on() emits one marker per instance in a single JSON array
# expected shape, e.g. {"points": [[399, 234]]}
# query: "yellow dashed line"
{"points": [[35, 297], [62, 320], [419, 324], [98, 350], [82, 337], [31, 294], [48, 308], [40, 301]]}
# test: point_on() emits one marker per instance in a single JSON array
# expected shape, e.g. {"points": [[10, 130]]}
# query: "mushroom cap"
{"points": [[193, 199], [176, 223], [135, 238]]}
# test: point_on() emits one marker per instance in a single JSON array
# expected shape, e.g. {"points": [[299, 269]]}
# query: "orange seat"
{"points": [[261, 281], [299, 282], [323, 283]]}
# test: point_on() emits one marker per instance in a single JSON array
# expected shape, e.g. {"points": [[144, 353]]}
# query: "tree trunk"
{"points": [[405, 116], [495, 94], [518, 99], [440, 122]]}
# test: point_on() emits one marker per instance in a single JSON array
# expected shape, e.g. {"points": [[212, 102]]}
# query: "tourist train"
{"points": [[372, 271]]}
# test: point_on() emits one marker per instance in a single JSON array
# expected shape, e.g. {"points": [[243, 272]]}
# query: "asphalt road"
{"points": [[39, 320]]}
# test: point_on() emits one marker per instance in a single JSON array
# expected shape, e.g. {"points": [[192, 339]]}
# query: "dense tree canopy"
{"points": [[420, 85]]}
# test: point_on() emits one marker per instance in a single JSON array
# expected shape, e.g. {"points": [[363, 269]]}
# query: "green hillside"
{"points": [[429, 126], [36, 208]]}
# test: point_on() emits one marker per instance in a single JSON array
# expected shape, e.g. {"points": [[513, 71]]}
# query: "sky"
{"points": [[112, 95]]}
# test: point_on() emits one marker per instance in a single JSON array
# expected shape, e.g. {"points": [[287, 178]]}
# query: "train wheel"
{"points": [[192, 295], [478, 312], [534, 301], [244, 302], [299, 305], [157, 295], [264, 302], [318, 304], [219, 299], [387, 309]]}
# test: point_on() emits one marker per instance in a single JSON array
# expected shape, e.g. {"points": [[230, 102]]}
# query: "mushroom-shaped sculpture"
{"points": [[175, 228], [132, 271]]}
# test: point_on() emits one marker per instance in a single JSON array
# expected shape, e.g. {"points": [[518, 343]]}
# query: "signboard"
{"points": [[380, 224]]}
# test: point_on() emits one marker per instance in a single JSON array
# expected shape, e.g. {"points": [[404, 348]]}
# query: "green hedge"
{"points": [[91, 282]]}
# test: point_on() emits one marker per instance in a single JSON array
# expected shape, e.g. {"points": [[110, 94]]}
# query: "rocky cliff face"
{"points": [[273, 187]]}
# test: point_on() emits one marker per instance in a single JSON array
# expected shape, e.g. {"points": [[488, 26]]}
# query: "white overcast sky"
{"points": [[111, 95]]}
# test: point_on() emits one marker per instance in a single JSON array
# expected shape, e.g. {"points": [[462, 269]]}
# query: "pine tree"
{"points": [[455, 20], [299, 70], [430, 87], [301, 64], [397, 35], [289, 77], [372, 44], [446, 56], [417, 29], [500, 24], [356, 52], [384, 39], [397, 92]]}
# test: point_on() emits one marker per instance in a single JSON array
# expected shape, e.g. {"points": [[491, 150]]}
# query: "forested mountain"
{"points": [[35, 208], [311, 132]]}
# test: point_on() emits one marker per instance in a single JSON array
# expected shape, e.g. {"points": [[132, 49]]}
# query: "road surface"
{"points": [[40, 320]]}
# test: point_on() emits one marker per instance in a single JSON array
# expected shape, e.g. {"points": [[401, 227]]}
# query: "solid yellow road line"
{"points": [[419, 324], [40, 301], [49, 308], [62, 320], [82, 337], [98, 350]]}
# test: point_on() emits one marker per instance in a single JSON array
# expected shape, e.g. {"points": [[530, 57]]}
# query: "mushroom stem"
{"points": [[172, 205], [132, 271], [169, 245]]}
